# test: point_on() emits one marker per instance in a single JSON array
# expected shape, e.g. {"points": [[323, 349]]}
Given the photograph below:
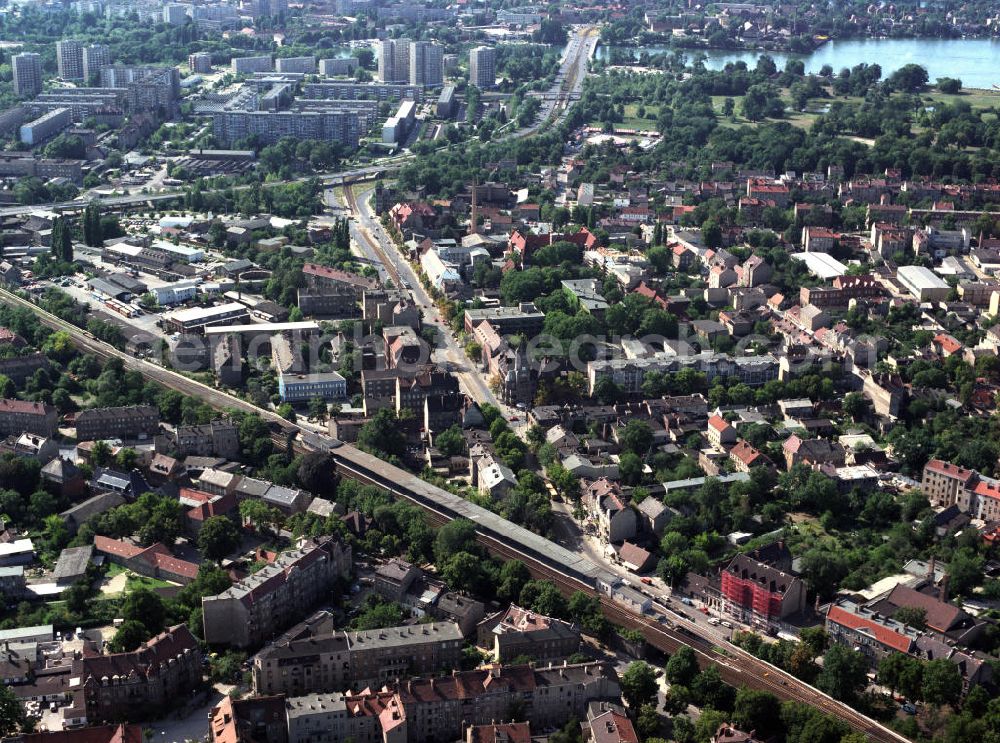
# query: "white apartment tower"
{"points": [[69, 57], [426, 64], [27, 72], [483, 67], [95, 57], [393, 57]]}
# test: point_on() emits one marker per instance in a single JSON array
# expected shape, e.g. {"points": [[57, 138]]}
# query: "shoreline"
{"points": [[820, 43]]}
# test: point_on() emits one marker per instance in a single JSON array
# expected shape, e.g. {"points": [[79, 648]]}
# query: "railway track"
{"points": [[735, 666]]}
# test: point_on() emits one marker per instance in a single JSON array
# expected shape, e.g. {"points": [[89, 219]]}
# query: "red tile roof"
{"points": [[949, 344], [885, 635], [948, 469], [24, 407], [718, 423]]}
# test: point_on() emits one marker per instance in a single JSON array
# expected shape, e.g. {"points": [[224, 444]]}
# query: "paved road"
{"points": [[328, 179], [570, 535], [377, 246]]}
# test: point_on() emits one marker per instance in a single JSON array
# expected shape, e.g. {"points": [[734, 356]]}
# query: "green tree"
{"points": [[12, 716], [942, 682], [62, 240], [709, 690], [965, 570], [682, 666], [317, 473], [218, 537], [92, 230], [543, 596], [638, 684], [903, 673], [458, 535], [636, 437], [261, 516], [677, 700], [450, 442], [757, 710], [129, 635], [145, 607], [647, 722], [381, 435], [227, 667], [914, 616], [513, 577], [463, 571], [844, 674]]}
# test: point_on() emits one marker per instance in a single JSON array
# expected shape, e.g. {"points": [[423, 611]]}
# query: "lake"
{"points": [[976, 62]]}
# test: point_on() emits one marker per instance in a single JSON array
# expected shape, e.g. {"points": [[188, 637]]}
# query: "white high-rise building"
{"points": [[426, 64], [95, 57], [393, 57], [27, 72], [175, 14], [483, 67], [69, 57]]}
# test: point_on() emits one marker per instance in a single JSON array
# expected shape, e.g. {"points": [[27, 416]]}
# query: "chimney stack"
{"points": [[944, 588], [931, 564]]}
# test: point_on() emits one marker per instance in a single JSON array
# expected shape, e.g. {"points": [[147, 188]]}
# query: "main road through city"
{"points": [[555, 103], [735, 665]]}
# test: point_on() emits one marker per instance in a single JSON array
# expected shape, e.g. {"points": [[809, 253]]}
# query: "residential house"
{"points": [[519, 632]]}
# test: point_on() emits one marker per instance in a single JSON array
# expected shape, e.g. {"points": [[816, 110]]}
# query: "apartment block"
{"points": [[343, 127], [304, 65], [342, 660], [426, 64], [95, 57], [393, 58], [338, 66], [19, 416], [69, 58], [128, 685], [147, 88], [363, 91], [759, 594], [253, 610], [131, 422], [46, 126], [250, 65], [517, 631], [946, 484], [26, 69], [483, 67], [444, 708], [200, 62], [219, 438]]}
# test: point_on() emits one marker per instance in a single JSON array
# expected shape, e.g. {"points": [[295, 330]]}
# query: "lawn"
{"points": [[136, 582], [632, 120], [975, 98]]}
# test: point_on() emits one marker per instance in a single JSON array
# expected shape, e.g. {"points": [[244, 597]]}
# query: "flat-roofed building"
{"points": [[196, 319], [923, 283]]}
